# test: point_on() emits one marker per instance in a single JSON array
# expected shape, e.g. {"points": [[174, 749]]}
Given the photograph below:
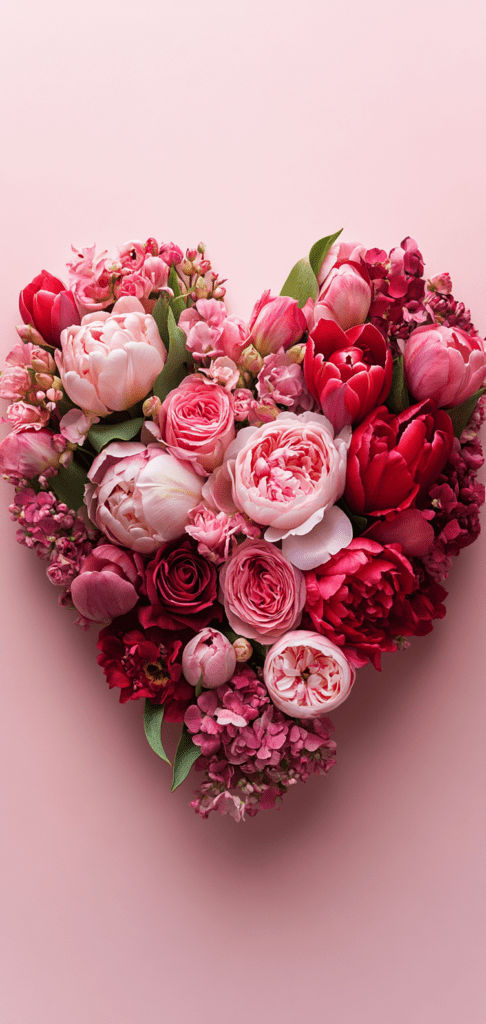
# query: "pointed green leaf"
{"points": [[320, 250], [68, 485], [160, 313], [301, 283], [398, 398], [186, 754], [174, 370], [177, 303], [461, 414], [173, 282], [102, 434], [153, 716]]}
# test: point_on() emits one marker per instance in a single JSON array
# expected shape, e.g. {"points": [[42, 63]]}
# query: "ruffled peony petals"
{"points": [[333, 533]]}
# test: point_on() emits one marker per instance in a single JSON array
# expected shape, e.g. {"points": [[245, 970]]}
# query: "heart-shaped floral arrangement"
{"points": [[252, 511]]}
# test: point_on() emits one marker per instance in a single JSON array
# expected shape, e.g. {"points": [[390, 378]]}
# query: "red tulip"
{"points": [[49, 307]]}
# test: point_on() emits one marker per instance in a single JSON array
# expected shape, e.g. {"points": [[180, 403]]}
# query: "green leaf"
{"points": [[159, 313], [153, 716], [461, 414], [173, 282], [102, 434], [320, 250], [398, 398], [177, 303], [174, 370], [301, 283], [187, 752], [68, 485]]}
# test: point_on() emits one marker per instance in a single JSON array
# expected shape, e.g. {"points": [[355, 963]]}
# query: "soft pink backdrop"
{"points": [[257, 127]]}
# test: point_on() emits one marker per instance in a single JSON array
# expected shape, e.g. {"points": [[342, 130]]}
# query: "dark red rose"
{"points": [[181, 587], [48, 306], [392, 460], [356, 598], [347, 372], [146, 665]]}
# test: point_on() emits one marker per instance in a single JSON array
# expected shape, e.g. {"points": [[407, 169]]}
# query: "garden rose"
{"points": [[275, 323], [444, 363], [263, 593], [196, 422], [140, 497], [28, 452], [110, 361], [392, 459], [108, 583], [181, 587], [306, 675], [348, 373], [47, 305], [210, 658], [345, 296]]}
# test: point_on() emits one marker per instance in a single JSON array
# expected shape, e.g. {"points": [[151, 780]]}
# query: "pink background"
{"points": [[257, 127]]}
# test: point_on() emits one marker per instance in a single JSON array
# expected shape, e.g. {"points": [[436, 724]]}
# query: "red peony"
{"points": [[145, 665], [363, 599], [48, 306], [348, 373], [181, 587], [393, 459]]}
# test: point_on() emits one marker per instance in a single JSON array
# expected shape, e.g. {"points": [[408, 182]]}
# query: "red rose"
{"points": [[348, 373], [145, 665], [393, 459], [181, 587], [356, 599], [47, 305]]}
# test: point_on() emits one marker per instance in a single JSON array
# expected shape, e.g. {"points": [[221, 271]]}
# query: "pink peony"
{"points": [[110, 362], [445, 364], [108, 583], [196, 422], [306, 675], [263, 593], [28, 452], [140, 497], [21, 414], [208, 657], [276, 323]]}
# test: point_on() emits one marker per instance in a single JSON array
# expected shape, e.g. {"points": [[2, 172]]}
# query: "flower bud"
{"points": [[191, 255], [243, 649], [28, 333], [44, 380], [250, 360], [208, 657], [151, 406], [201, 248], [297, 353], [201, 289]]}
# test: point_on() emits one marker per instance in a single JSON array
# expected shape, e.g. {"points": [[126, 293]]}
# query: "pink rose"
{"points": [[110, 361], [263, 593], [21, 414], [28, 452], [108, 583], [306, 675], [345, 296], [208, 657], [276, 323], [444, 363], [140, 497], [197, 423]]}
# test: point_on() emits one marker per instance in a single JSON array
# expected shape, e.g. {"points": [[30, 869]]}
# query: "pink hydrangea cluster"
{"points": [[251, 751]]}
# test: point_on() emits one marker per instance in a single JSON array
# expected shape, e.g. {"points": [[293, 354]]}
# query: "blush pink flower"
{"points": [[108, 583], [307, 675], [282, 379], [345, 296], [208, 657], [276, 323], [445, 364], [110, 361], [27, 452], [196, 422], [263, 593], [21, 414], [91, 278], [216, 532]]}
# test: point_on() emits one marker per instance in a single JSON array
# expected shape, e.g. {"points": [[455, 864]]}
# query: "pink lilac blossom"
{"points": [[250, 750]]}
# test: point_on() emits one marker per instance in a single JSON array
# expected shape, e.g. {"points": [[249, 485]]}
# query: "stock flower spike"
{"points": [[251, 511]]}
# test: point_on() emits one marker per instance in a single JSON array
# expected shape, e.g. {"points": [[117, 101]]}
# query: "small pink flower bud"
{"points": [[202, 289], [28, 333], [187, 268], [44, 380], [59, 443], [191, 254], [40, 396], [204, 267], [66, 458], [219, 293], [151, 406], [243, 649], [250, 360], [201, 248], [54, 395], [210, 658]]}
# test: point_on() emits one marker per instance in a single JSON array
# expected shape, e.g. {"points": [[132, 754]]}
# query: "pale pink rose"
{"points": [[345, 296], [340, 252], [208, 658], [21, 414], [140, 497], [132, 254], [286, 474], [108, 583], [222, 371], [306, 675], [135, 285], [263, 593], [276, 323], [444, 363], [110, 361], [196, 422], [28, 452], [74, 425], [216, 532]]}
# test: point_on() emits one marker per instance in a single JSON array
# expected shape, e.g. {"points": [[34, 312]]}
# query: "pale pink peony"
{"points": [[208, 658], [444, 363], [108, 583], [263, 593], [306, 675], [276, 323], [140, 497], [345, 296], [110, 361], [197, 423], [28, 452]]}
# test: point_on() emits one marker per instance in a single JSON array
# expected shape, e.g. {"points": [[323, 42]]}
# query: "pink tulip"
{"points": [[444, 363], [276, 323], [345, 296], [208, 657], [107, 584], [28, 453]]}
